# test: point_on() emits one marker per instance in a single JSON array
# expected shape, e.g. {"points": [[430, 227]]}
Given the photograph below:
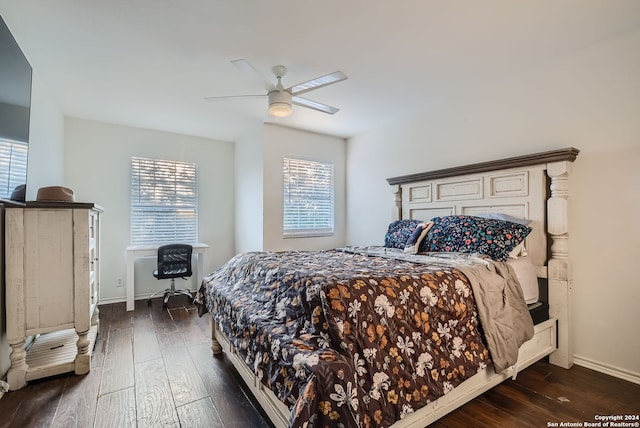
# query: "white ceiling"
{"points": [[150, 63]]}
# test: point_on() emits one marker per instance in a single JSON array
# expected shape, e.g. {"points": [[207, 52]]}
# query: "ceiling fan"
{"points": [[281, 98]]}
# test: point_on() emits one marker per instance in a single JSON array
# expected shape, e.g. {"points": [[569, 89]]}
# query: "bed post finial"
{"points": [[559, 269], [397, 210]]}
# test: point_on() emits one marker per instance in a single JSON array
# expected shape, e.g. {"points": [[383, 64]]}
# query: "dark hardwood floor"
{"points": [[153, 367]]}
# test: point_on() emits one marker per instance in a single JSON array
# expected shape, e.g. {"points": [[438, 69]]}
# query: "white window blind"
{"points": [[13, 165], [164, 201], [308, 197]]}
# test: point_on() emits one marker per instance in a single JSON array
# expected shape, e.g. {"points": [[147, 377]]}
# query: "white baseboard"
{"points": [[104, 301], [607, 369], [123, 299]]}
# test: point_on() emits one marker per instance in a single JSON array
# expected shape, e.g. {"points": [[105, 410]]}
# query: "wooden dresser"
{"points": [[52, 272]]}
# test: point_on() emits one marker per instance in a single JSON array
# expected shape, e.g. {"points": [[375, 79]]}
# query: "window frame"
{"points": [[309, 232], [175, 218]]}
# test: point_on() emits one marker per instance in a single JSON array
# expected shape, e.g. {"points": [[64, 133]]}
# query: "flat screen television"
{"points": [[15, 110]]}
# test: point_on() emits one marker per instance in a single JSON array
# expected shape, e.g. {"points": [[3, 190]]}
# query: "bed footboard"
{"points": [[542, 344]]}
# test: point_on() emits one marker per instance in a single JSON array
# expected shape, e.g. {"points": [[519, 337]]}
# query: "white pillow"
{"points": [[526, 274], [518, 251], [505, 217]]}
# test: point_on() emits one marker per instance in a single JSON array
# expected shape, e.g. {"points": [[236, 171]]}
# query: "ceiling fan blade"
{"points": [[314, 105], [228, 97], [318, 82], [249, 71]]}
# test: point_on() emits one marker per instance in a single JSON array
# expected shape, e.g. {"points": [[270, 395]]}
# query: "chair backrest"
{"points": [[174, 261]]}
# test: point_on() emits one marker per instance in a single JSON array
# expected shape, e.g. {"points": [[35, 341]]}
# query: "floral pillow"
{"points": [[469, 234], [399, 232]]}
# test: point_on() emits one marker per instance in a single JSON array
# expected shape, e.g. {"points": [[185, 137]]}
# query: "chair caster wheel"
{"points": [[149, 302]]}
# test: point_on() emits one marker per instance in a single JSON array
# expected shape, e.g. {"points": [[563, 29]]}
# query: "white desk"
{"points": [[134, 252]]}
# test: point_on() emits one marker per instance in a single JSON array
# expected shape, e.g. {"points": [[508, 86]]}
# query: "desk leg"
{"points": [[129, 285], [200, 271]]}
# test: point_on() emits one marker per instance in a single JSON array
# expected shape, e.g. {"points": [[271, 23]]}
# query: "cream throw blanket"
{"points": [[502, 310]]}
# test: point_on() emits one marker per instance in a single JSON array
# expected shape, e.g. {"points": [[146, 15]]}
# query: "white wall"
{"points": [[97, 167], [45, 167], [279, 142], [248, 191], [589, 100]]}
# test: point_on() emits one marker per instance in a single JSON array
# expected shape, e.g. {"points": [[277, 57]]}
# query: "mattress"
{"points": [[526, 272]]}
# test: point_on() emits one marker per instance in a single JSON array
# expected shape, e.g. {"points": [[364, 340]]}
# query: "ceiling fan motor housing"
{"points": [[280, 103]]}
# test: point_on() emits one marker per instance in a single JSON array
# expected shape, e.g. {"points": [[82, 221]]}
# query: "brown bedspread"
{"points": [[345, 338]]}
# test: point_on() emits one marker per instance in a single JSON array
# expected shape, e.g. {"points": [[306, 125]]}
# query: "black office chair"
{"points": [[174, 261]]}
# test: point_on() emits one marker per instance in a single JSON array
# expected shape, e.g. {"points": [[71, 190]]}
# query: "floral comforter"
{"points": [[346, 337]]}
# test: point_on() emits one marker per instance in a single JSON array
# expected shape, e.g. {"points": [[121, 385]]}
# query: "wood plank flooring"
{"points": [[153, 367]]}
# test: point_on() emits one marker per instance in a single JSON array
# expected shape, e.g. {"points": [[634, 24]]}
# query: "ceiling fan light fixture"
{"points": [[280, 104], [280, 110]]}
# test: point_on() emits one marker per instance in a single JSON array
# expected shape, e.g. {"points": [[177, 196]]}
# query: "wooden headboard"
{"points": [[533, 186]]}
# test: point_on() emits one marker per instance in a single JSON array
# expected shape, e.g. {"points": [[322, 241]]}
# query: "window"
{"points": [[164, 201], [13, 166], [308, 198]]}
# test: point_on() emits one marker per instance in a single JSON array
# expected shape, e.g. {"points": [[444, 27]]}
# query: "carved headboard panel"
{"points": [[519, 192]]}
